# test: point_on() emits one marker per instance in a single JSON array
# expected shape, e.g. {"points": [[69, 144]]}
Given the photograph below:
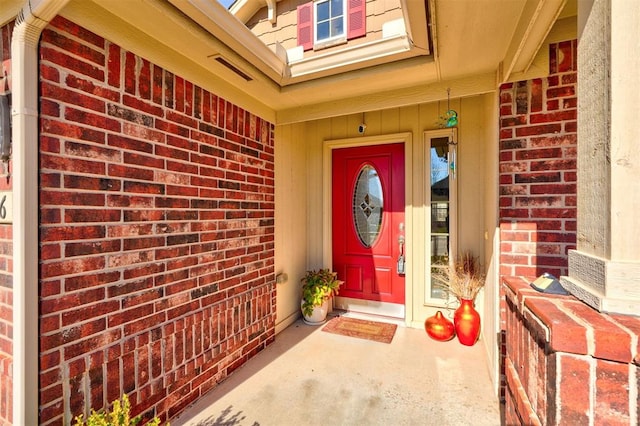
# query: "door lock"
{"points": [[401, 265]]}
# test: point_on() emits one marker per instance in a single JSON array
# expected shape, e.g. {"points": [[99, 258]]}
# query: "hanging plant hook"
{"points": [[450, 117]]}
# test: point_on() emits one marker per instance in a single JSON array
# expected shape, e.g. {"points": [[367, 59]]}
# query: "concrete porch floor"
{"points": [[311, 377]]}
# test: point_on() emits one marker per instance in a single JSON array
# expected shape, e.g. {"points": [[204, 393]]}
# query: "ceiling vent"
{"points": [[232, 67]]}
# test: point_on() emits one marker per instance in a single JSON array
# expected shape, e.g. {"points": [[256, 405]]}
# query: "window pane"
{"points": [[367, 205], [440, 210], [336, 8], [437, 292], [323, 31], [439, 250], [336, 27], [439, 218], [322, 11], [439, 263]]}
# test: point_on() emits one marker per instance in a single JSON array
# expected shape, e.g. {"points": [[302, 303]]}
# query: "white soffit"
{"points": [[472, 39], [188, 50], [217, 20], [9, 9], [393, 98], [536, 21], [361, 54], [245, 9], [415, 18]]}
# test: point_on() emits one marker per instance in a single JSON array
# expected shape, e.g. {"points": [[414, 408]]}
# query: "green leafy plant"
{"points": [[318, 286], [120, 415]]}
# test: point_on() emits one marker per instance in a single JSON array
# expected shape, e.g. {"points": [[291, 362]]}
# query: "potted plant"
{"points": [[464, 280], [317, 288], [119, 415]]}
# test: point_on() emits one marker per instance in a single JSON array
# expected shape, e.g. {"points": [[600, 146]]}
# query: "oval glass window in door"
{"points": [[367, 205]]}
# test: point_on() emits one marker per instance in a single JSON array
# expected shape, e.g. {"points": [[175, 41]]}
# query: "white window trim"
{"points": [[331, 41], [453, 210]]}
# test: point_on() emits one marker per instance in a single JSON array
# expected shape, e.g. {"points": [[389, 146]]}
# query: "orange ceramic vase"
{"points": [[467, 322], [439, 328]]}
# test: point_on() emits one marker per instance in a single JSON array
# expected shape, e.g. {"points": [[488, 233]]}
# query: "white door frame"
{"points": [[327, 255]]}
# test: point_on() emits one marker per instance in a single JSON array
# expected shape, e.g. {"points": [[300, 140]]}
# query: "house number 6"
{"points": [[3, 208]]}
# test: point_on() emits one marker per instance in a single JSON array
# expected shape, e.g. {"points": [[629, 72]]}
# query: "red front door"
{"points": [[368, 221]]}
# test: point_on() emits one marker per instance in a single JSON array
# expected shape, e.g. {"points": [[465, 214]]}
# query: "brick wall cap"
{"points": [[521, 288], [577, 328]]}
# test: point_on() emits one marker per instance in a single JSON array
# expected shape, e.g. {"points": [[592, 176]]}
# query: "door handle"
{"points": [[401, 262]]}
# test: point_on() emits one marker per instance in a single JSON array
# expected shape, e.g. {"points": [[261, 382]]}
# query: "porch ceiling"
{"points": [[474, 45]]}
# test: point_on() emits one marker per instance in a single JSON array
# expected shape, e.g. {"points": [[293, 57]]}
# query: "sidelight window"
{"points": [[441, 196]]}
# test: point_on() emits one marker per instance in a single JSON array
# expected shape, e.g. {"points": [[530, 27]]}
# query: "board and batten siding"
{"points": [[301, 209]]}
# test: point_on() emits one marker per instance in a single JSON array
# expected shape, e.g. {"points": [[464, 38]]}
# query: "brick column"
{"points": [[538, 150], [604, 271], [538, 168]]}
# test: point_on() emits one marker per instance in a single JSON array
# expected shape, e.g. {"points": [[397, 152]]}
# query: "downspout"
{"points": [[32, 19]]}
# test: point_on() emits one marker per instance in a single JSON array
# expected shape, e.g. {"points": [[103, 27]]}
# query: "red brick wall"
{"points": [[6, 251], [157, 234], [563, 362], [567, 363], [538, 152]]}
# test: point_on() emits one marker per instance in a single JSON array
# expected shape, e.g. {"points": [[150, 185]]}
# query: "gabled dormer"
{"points": [[324, 37]]}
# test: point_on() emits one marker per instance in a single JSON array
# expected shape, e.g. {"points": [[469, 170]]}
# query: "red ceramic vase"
{"points": [[439, 328], [467, 322]]}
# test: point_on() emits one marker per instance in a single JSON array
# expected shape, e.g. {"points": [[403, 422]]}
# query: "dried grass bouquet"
{"points": [[463, 278]]}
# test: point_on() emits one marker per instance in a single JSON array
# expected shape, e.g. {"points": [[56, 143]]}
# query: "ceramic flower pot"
{"points": [[467, 322], [439, 328], [319, 314]]}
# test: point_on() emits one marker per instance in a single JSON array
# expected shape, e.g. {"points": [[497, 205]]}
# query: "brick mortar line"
{"points": [[635, 338], [634, 394], [592, 389], [590, 332]]}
